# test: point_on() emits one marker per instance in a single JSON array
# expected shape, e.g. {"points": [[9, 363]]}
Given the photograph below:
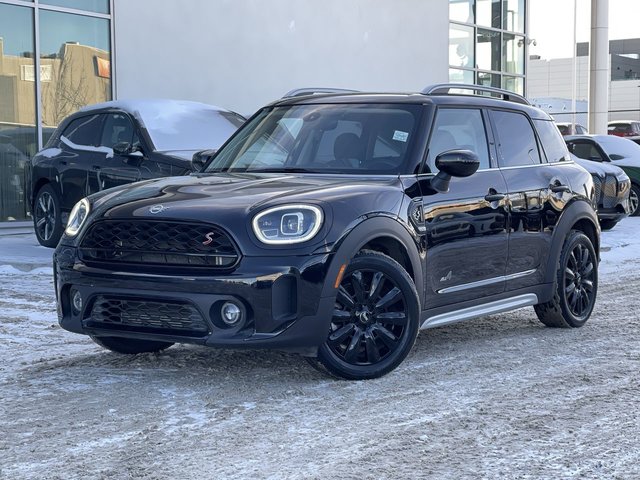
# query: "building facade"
{"points": [[238, 54]]}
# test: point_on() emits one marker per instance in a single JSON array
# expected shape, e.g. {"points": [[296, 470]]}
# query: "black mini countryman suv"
{"points": [[337, 225]]}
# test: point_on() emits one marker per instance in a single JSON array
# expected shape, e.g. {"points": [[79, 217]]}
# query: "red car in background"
{"points": [[625, 128]]}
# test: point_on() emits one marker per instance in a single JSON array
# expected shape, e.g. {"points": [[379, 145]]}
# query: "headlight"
{"points": [[287, 224], [77, 217]]}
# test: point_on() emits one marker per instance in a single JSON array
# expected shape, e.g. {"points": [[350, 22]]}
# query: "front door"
{"points": [[79, 151], [114, 169], [466, 227]]}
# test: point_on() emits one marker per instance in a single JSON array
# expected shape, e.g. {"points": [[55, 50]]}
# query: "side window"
{"points": [[83, 131], [518, 145], [585, 150], [459, 129], [117, 129], [552, 143]]}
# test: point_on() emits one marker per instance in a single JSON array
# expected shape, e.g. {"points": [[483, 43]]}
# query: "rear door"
{"points": [[466, 227], [538, 191]]}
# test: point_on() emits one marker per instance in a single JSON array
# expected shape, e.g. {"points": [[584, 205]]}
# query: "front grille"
{"points": [[160, 243], [610, 192], [148, 316], [597, 184]]}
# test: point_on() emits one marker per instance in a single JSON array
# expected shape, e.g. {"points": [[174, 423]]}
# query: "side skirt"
{"points": [[497, 306]]}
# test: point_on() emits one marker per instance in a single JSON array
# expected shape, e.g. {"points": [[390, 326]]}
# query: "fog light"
{"points": [[231, 313], [76, 301]]}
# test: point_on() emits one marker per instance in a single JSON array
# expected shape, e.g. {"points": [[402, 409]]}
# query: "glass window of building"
{"points": [[99, 6], [461, 46], [513, 53], [18, 131], [74, 55], [462, 11], [513, 15], [488, 13], [488, 47], [461, 76], [75, 49], [498, 52]]}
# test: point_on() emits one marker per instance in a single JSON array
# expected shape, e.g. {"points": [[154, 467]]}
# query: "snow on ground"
{"points": [[496, 397]]}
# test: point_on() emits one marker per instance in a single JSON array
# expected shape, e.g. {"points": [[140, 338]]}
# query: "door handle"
{"points": [[560, 188], [494, 197], [96, 167], [62, 162]]}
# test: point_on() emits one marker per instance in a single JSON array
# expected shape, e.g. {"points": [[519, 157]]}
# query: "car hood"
{"points": [[600, 169], [213, 198]]}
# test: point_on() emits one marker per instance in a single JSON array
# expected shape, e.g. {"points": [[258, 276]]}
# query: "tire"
{"points": [[130, 346], [608, 224], [576, 285], [375, 320], [634, 200], [47, 217]]}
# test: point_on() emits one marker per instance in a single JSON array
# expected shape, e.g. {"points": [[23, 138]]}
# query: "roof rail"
{"points": [[443, 89], [300, 92]]}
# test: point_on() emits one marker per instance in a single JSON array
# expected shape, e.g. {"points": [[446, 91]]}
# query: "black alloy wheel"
{"points": [[579, 278], [375, 319], [47, 220], [576, 285], [634, 200]]}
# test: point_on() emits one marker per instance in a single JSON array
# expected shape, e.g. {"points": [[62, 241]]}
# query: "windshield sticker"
{"points": [[400, 136]]}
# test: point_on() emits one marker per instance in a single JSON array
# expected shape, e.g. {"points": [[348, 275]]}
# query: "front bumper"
{"points": [[615, 213], [280, 299]]}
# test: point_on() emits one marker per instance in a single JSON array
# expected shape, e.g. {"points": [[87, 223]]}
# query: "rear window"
{"points": [[553, 145], [518, 145]]}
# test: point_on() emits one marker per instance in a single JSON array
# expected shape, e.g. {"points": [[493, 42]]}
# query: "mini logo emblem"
{"points": [[209, 238], [157, 209]]}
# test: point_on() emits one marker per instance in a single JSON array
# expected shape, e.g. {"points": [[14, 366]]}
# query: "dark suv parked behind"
{"points": [[337, 226], [113, 143]]}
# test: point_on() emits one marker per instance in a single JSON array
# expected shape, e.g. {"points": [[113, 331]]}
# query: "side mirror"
{"points": [[453, 163], [122, 148], [199, 159]]}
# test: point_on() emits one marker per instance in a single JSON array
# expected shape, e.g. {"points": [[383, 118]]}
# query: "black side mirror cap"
{"points": [[122, 148], [200, 159], [454, 163]]}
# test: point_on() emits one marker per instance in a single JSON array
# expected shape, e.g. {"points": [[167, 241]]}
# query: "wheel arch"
{"points": [[579, 215], [381, 234], [41, 182]]}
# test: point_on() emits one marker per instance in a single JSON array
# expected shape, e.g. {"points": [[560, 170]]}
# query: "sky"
{"points": [[551, 24]]}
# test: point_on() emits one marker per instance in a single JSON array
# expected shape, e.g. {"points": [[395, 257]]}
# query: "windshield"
{"points": [[619, 146], [188, 125], [330, 138]]}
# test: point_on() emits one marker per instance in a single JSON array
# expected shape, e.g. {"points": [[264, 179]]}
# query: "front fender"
{"points": [[364, 232]]}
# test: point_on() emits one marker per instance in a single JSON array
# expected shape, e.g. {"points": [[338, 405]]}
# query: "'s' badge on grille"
{"points": [[209, 238]]}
